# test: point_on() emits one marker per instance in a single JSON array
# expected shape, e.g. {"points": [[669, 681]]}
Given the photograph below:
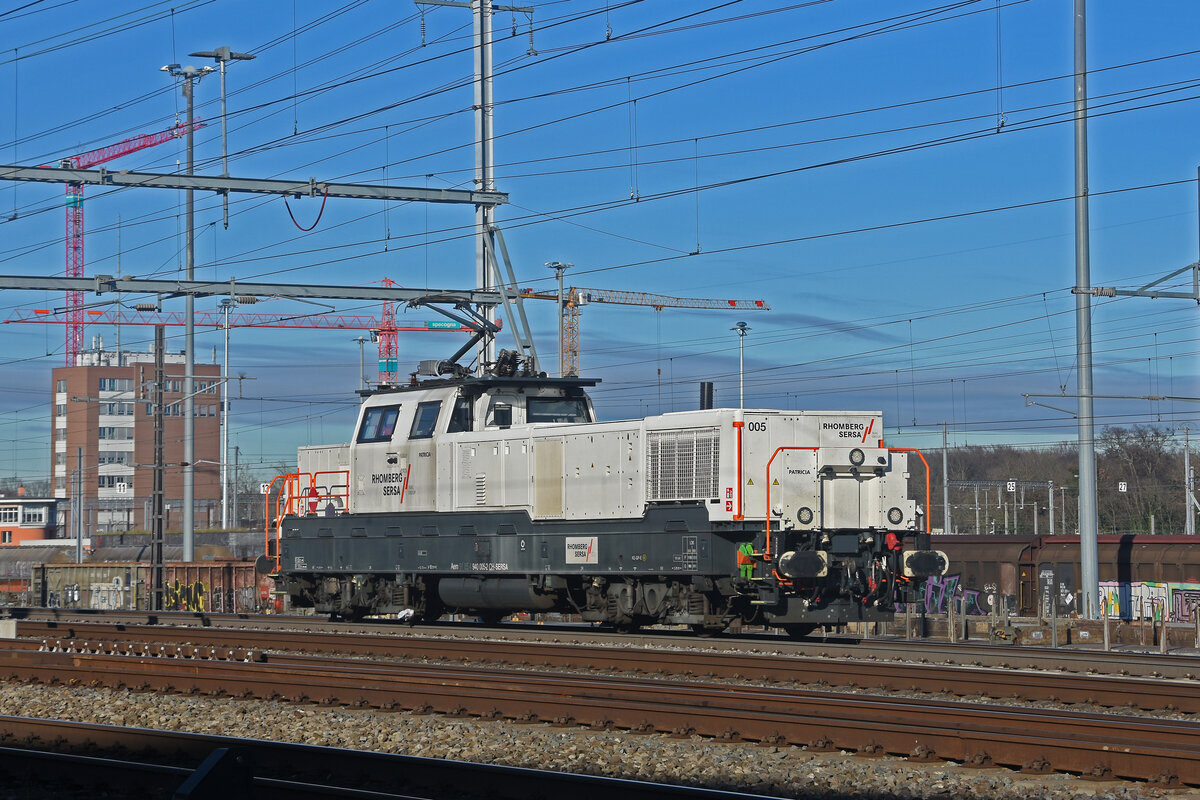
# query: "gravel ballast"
{"points": [[781, 771]]}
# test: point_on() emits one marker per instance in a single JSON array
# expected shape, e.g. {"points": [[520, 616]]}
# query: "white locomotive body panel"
{"points": [[411, 454]]}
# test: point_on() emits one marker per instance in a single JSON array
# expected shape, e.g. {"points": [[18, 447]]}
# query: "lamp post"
{"points": [[190, 75], [222, 55], [559, 268], [742, 329]]}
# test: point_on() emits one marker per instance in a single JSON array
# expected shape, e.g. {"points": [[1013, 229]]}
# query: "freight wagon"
{"points": [[204, 586], [1137, 573]]}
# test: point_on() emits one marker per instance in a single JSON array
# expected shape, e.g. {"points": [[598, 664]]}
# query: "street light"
{"points": [[190, 75], [742, 329], [559, 268], [222, 55]]}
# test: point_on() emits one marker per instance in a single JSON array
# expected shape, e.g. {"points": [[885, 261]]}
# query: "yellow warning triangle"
{"points": [[750, 481], [775, 482]]}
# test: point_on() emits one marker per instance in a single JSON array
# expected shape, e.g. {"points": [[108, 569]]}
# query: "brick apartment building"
{"points": [[27, 519], [104, 405]]}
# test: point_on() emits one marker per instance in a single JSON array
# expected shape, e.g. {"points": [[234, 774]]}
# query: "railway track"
{"points": [[1100, 745], [1090, 660], [1018, 681]]}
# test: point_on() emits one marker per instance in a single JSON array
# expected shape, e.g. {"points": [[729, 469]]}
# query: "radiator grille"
{"points": [[682, 465]]}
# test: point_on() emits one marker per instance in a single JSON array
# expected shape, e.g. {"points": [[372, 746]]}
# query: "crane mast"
{"points": [[74, 207]]}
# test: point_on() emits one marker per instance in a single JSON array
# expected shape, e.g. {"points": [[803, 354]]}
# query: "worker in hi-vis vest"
{"points": [[745, 560]]}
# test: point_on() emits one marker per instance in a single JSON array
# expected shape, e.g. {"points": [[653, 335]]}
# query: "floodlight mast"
{"points": [[190, 75], [224, 55]]}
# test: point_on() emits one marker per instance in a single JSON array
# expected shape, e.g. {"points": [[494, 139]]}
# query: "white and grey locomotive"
{"points": [[501, 493]]}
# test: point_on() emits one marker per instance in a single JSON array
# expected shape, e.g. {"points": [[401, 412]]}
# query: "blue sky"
{"points": [[843, 161]]}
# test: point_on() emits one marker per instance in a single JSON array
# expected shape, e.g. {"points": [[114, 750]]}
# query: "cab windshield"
{"points": [[378, 424]]}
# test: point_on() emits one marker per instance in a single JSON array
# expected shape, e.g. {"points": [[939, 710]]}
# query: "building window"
{"points": [[34, 516], [60, 386], [10, 514], [116, 384], [60, 410], [60, 458], [114, 433], [117, 409], [5, 537], [111, 481]]}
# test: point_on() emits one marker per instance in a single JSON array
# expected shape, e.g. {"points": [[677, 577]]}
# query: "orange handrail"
{"points": [[778, 450], [928, 521], [269, 518], [739, 424], [291, 497]]}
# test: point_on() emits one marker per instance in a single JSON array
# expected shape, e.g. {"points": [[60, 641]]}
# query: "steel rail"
{"points": [[1096, 744], [1082, 660]]}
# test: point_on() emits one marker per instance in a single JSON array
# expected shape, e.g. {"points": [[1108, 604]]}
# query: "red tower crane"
{"points": [[389, 346], [74, 207], [385, 327]]}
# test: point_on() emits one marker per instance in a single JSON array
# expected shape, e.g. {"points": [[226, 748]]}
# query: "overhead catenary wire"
{"points": [[586, 215]]}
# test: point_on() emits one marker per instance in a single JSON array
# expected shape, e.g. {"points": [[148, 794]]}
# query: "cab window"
{"points": [[500, 414], [556, 409], [462, 419], [378, 424], [425, 420]]}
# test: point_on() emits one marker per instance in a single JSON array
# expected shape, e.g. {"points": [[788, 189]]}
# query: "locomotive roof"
{"points": [[485, 383]]}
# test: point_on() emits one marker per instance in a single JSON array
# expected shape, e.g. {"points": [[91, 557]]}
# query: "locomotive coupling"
{"points": [[803, 564], [924, 563]]}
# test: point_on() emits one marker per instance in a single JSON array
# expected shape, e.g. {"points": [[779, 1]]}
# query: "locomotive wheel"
{"points": [[707, 631], [429, 611], [799, 630]]}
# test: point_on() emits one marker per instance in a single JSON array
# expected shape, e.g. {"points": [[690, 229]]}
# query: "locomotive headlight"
{"points": [[857, 457], [895, 515], [804, 515]]}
